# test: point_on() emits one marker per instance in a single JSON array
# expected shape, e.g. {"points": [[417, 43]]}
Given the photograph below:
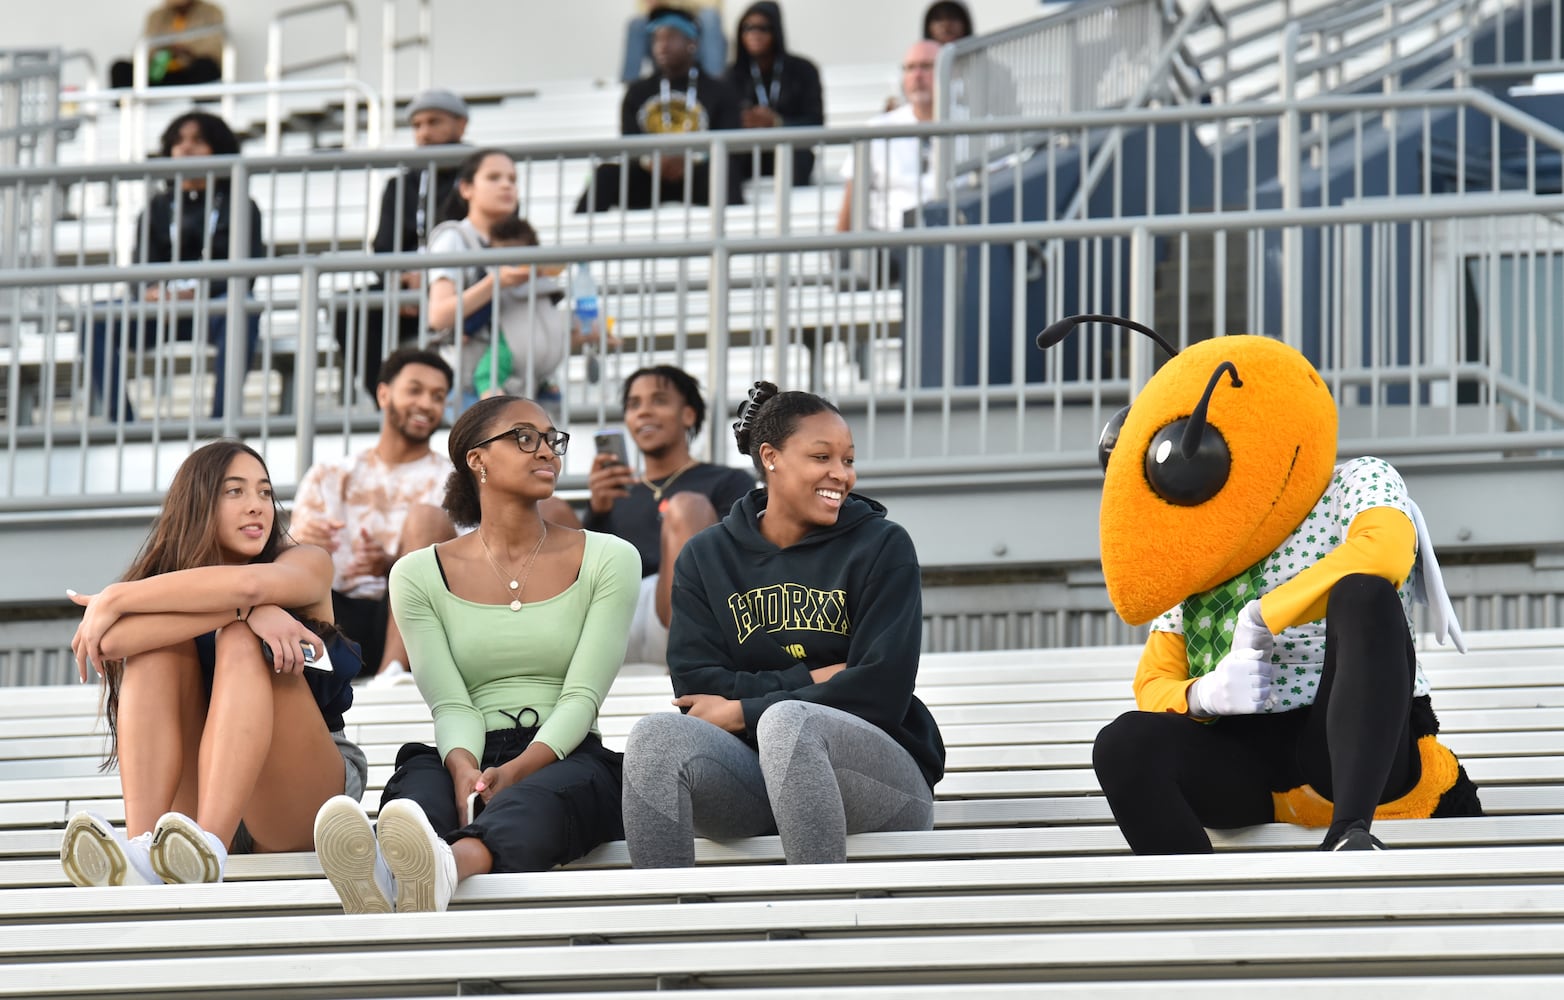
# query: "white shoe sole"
{"points": [[91, 854], [181, 853], [345, 843], [406, 841]]}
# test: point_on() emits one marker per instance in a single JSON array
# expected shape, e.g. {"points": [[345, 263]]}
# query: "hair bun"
{"points": [[759, 394]]}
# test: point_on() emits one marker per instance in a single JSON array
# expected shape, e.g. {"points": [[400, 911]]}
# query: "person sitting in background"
{"points": [[413, 202], [794, 650], [947, 21], [188, 61], [677, 98], [535, 336], [371, 508], [501, 370], [776, 88], [672, 499], [228, 735], [713, 55], [901, 170], [517, 630], [187, 222]]}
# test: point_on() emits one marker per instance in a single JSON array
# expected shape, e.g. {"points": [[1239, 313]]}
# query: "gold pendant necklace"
{"points": [[517, 587], [658, 491]]}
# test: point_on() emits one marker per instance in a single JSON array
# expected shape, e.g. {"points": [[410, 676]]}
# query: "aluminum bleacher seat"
{"points": [[1023, 888]]}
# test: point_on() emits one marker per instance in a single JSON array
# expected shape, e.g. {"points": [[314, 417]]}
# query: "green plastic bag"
{"points": [[157, 66], [482, 377]]}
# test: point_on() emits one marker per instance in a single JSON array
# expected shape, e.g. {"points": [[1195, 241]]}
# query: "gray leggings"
{"points": [[821, 774]]}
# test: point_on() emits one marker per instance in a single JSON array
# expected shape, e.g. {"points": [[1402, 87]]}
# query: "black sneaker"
{"points": [[1357, 839]]}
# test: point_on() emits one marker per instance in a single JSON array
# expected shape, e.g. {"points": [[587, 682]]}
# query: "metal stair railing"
{"points": [[1094, 55], [345, 57], [420, 43]]}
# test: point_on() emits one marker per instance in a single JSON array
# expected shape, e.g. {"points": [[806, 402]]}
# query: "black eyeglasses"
{"points": [[530, 439]]}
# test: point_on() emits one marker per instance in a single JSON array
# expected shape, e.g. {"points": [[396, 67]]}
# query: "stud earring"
{"points": [[483, 473], [771, 468]]}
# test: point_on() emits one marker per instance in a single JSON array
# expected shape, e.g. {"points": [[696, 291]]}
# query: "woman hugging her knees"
{"points": [[225, 684], [516, 631], [793, 649]]}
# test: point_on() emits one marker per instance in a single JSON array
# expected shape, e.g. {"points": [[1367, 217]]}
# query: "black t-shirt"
{"points": [[636, 519], [693, 103]]}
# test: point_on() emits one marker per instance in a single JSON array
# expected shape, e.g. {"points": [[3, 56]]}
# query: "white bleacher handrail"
{"points": [[713, 238], [392, 45], [132, 152], [277, 71], [133, 103], [1470, 206]]}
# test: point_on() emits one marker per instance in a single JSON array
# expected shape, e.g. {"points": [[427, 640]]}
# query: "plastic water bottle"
{"points": [[583, 290]]}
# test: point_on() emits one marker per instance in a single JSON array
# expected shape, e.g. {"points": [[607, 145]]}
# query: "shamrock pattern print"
{"points": [[1356, 486]]}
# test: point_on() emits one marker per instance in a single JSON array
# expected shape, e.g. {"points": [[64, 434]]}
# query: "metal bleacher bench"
{"points": [[1023, 888]]}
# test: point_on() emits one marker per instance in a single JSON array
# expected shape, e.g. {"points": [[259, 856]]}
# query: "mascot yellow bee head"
{"points": [[1212, 466]]}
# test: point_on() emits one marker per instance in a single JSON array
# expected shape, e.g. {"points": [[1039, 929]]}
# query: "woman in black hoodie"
{"points": [[794, 650], [776, 88]]}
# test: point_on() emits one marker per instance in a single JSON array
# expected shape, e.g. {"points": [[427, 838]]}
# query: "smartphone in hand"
{"points": [[312, 659], [613, 443]]}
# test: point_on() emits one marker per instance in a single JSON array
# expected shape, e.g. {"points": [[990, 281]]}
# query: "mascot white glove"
{"points": [[1240, 684], [1251, 631]]}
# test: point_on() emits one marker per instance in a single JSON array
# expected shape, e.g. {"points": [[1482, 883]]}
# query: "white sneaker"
{"points": [[345, 843], [394, 675], [422, 863], [94, 853], [183, 852]]}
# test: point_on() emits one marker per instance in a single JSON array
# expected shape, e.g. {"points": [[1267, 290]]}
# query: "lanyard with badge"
{"points": [[767, 97], [211, 227], [175, 243], [420, 214], [690, 99]]}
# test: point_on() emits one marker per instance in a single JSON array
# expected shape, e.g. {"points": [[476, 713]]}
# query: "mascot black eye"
{"points": [[1188, 461], [1110, 437], [1187, 480]]}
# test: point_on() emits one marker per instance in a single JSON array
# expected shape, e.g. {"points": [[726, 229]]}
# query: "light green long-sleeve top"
{"points": [[556, 657]]}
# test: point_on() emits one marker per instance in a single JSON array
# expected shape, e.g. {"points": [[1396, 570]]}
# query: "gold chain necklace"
{"points": [[516, 587], [658, 491]]}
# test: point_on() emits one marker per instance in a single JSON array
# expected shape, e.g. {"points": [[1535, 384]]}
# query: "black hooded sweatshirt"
{"points": [[791, 88], [751, 620]]}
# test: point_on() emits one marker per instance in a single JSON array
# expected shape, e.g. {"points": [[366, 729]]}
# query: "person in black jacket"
{"points": [[676, 98], [794, 650], [776, 88], [189, 222], [417, 199]]}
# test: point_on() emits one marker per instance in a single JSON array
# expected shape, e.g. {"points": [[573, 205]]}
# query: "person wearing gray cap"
{"points": [[414, 201]]}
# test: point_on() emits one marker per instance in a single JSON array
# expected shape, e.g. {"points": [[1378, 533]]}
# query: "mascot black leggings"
{"points": [[1168, 777]]}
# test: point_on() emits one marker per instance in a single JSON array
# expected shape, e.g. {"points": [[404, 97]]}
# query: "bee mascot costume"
{"points": [[1279, 681]]}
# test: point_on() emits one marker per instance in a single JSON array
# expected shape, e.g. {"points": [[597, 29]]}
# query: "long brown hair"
{"points": [[184, 536]]}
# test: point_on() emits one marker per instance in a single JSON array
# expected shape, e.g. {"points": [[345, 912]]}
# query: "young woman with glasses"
{"points": [[515, 630]]}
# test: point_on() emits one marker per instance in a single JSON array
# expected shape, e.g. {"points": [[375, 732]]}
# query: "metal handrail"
{"points": [[1109, 149], [1325, 104], [227, 91], [276, 71], [1440, 207], [1464, 206], [140, 84], [422, 43]]}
